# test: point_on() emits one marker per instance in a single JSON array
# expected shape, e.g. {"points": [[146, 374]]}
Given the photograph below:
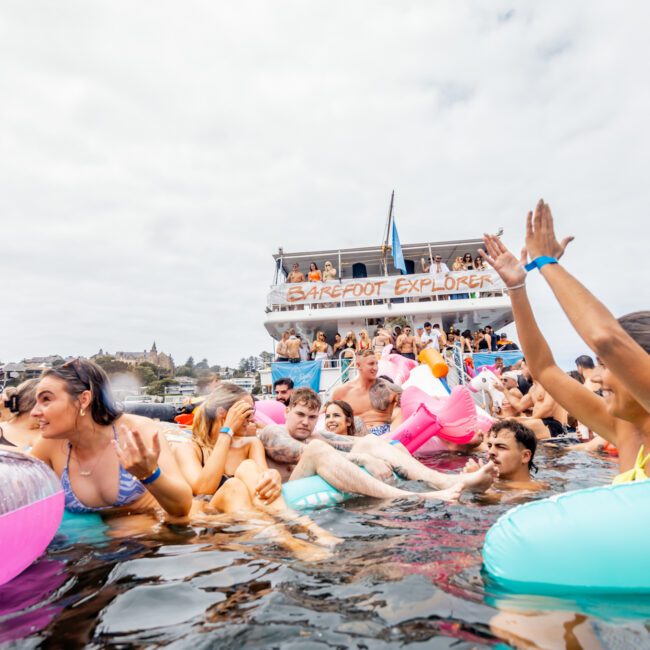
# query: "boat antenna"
{"points": [[385, 246]]}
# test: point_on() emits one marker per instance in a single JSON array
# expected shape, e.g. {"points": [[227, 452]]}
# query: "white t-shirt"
{"points": [[434, 268], [431, 340]]}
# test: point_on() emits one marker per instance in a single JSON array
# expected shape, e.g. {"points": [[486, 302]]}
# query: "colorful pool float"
{"points": [[31, 508], [593, 540]]}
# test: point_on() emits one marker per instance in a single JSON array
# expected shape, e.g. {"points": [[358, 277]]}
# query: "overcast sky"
{"points": [[153, 155]]}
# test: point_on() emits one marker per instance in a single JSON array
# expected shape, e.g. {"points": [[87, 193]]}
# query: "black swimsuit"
{"points": [[224, 477]]}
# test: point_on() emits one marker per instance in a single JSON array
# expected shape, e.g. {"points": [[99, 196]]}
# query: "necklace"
{"points": [[88, 472]]}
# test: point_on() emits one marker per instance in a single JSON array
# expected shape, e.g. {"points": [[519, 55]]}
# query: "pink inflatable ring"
{"points": [[31, 509]]}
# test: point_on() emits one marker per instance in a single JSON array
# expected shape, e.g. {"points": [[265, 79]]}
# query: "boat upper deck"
{"points": [[368, 289]]}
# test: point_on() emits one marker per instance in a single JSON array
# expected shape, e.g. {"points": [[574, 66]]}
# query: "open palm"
{"points": [[510, 269]]}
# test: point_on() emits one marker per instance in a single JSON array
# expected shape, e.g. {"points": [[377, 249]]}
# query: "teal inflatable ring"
{"points": [[593, 540]]}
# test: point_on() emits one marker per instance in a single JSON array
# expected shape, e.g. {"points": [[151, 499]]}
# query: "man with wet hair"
{"points": [[283, 389], [297, 451], [511, 447], [372, 400]]}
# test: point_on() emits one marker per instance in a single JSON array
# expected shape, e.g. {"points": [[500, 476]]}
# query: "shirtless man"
{"points": [[283, 389], [405, 343], [297, 452], [507, 385], [370, 399], [548, 419], [511, 447], [281, 347], [293, 347], [296, 275]]}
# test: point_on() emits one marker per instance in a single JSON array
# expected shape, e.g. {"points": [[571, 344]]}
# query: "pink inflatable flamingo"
{"points": [[270, 411], [452, 419], [395, 366]]}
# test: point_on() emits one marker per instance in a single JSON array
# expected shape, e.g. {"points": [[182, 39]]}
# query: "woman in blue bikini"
{"points": [[107, 461]]}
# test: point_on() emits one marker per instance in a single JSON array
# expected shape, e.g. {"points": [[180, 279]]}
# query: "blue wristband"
{"points": [[152, 477], [540, 261]]}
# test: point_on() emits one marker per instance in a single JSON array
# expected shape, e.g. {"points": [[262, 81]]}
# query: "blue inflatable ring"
{"points": [[593, 540]]}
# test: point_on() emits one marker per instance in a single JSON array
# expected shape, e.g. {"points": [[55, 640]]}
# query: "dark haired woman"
{"points": [[19, 430], [468, 262], [339, 418], [107, 461], [314, 273]]}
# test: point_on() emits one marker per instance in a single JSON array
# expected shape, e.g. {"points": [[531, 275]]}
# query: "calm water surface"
{"points": [[408, 574]]}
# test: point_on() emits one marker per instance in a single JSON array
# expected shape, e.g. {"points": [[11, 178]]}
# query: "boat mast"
{"points": [[385, 246]]}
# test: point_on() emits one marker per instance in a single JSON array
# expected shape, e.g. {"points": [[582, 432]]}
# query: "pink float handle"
{"points": [[416, 429], [456, 414]]}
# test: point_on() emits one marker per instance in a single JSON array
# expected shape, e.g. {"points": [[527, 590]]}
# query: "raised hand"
{"points": [[540, 234], [510, 269], [136, 458], [238, 415]]}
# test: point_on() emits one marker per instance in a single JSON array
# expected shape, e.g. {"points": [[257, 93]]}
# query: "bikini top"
{"points": [[130, 489]]}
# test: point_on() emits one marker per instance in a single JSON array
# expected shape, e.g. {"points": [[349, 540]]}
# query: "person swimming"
{"points": [[19, 430], [111, 461]]}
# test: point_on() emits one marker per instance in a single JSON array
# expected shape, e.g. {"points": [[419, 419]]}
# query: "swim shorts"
{"points": [[555, 428], [408, 355], [379, 429]]}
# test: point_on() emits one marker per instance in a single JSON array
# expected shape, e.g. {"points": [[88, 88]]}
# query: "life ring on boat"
{"points": [[432, 358], [539, 547], [31, 509]]}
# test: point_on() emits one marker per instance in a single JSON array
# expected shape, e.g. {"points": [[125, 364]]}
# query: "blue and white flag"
{"points": [[398, 257]]}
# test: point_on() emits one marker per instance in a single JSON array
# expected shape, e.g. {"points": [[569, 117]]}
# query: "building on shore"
{"points": [[161, 359]]}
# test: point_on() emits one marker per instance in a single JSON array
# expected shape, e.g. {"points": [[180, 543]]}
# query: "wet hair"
{"points": [[637, 325], [305, 396], [347, 411], [523, 435], [574, 374], [80, 375], [585, 361], [21, 399], [223, 396], [283, 381]]}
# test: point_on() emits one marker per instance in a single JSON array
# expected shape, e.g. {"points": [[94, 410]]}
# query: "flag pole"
{"points": [[385, 247]]}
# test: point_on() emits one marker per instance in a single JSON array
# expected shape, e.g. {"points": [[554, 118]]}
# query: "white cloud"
{"points": [[154, 153]]}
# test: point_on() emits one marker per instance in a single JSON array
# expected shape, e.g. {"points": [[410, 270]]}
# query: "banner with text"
{"points": [[421, 285]]}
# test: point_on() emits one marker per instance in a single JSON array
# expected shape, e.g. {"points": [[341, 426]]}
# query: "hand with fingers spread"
{"points": [[540, 234], [269, 486], [510, 269], [238, 416], [134, 455]]}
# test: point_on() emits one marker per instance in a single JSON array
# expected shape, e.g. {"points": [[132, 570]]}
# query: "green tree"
{"points": [[190, 362], [185, 371], [202, 365], [158, 386], [145, 374], [111, 365]]}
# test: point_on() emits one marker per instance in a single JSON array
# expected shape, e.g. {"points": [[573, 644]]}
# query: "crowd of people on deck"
{"points": [[435, 264], [118, 464], [294, 347]]}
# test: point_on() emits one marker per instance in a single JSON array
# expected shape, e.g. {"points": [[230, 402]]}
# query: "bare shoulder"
{"points": [[145, 426], [340, 392]]}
